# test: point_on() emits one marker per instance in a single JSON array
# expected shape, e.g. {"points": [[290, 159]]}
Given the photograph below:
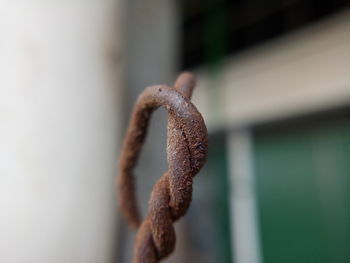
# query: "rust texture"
{"points": [[187, 147]]}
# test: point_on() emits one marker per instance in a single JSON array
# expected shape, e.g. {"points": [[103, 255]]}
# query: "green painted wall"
{"points": [[303, 191]]}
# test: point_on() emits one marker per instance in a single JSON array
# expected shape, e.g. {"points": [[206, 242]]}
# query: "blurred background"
{"points": [[273, 88]]}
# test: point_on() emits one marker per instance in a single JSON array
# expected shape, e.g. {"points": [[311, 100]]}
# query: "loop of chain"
{"points": [[187, 146]]}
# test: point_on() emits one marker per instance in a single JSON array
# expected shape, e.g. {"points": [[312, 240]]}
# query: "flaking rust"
{"points": [[187, 148]]}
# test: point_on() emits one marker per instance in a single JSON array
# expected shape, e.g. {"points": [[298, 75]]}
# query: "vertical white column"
{"points": [[58, 130], [243, 200]]}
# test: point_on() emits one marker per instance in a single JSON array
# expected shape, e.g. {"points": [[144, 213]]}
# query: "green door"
{"points": [[303, 192]]}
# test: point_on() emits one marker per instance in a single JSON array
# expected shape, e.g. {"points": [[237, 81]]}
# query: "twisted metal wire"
{"points": [[187, 147]]}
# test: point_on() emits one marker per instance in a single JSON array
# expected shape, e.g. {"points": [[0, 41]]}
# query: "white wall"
{"points": [[306, 71], [58, 130]]}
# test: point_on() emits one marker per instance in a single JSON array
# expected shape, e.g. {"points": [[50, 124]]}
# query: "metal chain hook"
{"points": [[187, 147]]}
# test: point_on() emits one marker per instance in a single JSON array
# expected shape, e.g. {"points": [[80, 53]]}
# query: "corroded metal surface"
{"points": [[187, 147]]}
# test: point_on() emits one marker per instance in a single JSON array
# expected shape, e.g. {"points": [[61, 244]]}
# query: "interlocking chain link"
{"points": [[187, 147]]}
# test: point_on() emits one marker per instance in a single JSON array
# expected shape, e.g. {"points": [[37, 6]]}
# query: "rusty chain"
{"points": [[187, 146]]}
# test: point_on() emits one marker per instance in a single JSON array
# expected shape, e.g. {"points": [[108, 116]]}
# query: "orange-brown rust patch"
{"points": [[187, 147]]}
